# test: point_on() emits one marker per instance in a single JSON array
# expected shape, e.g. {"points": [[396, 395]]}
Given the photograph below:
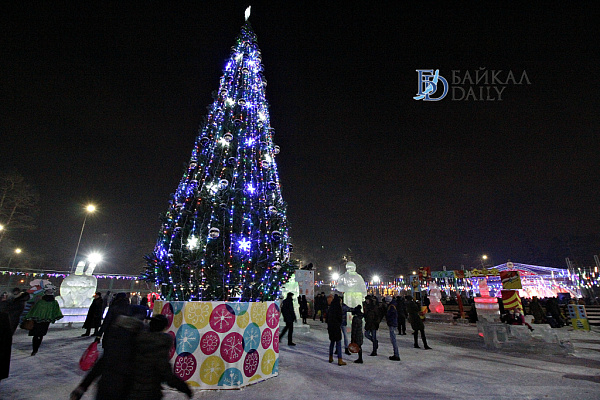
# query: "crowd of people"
{"points": [[130, 335], [135, 357], [332, 310]]}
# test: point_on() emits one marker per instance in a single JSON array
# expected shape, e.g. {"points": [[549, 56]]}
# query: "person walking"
{"points": [[289, 317], [94, 315], [401, 309], [5, 344], [416, 323], [356, 335], [334, 328], [151, 365], [118, 306], [43, 313], [391, 318], [372, 320], [303, 308], [15, 306]]}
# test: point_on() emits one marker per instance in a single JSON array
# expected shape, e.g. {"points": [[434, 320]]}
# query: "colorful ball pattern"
{"points": [[251, 337], [266, 338], [273, 316], [172, 351], [187, 339], [232, 347], [185, 366], [222, 318], [220, 345], [210, 342], [167, 311], [276, 341], [251, 363]]}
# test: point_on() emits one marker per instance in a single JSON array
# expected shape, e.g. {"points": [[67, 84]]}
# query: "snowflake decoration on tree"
{"points": [[245, 245]]}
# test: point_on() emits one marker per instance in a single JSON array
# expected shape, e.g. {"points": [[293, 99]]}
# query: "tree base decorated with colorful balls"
{"points": [[223, 345]]}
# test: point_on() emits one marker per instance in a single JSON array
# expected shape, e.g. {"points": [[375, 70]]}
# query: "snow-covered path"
{"points": [[458, 367]]}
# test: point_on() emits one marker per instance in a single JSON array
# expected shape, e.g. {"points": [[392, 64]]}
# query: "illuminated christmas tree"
{"points": [[225, 233]]}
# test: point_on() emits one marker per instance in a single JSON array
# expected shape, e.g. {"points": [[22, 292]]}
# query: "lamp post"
{"points": [[483, 260], [17, 251], [376, 282], [90, 208]]}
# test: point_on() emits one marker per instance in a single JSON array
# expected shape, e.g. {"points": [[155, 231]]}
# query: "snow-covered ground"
{"points": [[458, 367]]}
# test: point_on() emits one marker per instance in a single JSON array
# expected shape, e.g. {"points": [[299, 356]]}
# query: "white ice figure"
{"points": [[435, 296], [352, 285], [77, 290], [292, 287]]}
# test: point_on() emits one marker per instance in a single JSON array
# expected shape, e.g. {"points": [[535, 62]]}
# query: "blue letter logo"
{"points": [[428, 85]]}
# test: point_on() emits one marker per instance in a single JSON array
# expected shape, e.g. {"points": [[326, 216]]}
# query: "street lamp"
{"points": [[90, 208], [335, 276], [17, 251], [483, 260]]}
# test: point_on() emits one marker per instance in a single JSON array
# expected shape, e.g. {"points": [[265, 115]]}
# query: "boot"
{"points": [[373, 353], [87, 333], [417, 346], [425, 345], [348, 352], [330, 359], [394, 358], [341, 362], [360, 360]]}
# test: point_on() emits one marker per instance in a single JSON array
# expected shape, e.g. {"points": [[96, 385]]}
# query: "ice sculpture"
{"points": [[352, 285], [77, 290], [435, 296], [292, 287]]}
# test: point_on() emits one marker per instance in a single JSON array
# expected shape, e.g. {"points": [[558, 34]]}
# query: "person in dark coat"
{"points": [[303, 308], [94, 315], [119, 306], [334, 328], [401, 311], [115, 366], [151, 365], [535, 308], [372, 320], [391, 319], [356, 335], [416, 323], [5, 344], [15, 306], [43, 313], [141, 311], [289, 317]]}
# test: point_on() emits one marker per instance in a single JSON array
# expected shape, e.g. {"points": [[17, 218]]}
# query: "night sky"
{"points": [[102, 102]]}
